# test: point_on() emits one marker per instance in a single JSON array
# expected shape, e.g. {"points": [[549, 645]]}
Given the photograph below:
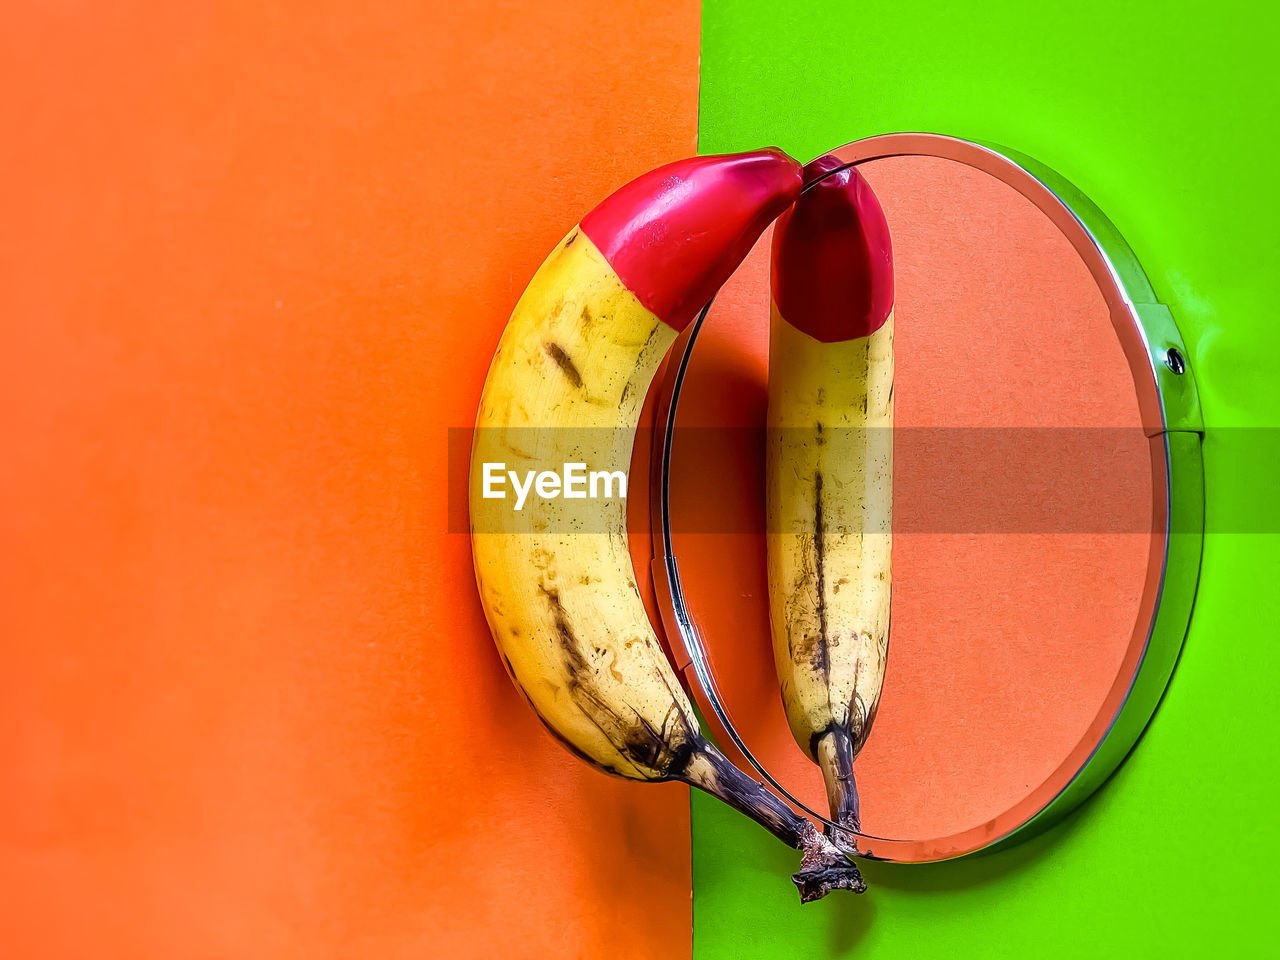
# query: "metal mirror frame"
{"points": [[1170, 412]]}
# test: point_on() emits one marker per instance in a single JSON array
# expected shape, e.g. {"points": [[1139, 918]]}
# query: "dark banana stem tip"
{"points": [[823, 867]]}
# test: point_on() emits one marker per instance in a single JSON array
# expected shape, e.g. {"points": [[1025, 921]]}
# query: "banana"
{"points": [[829, 472], [566, 386]]}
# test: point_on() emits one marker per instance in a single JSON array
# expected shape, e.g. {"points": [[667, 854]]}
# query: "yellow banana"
{"points": [[565, 388], [829, 472]]}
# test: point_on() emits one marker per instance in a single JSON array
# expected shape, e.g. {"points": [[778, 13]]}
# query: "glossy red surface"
{"points": [[676, 233], [832, 270]]}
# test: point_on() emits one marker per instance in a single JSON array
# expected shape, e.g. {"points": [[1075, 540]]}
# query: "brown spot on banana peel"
{"points": [[634, 737], [564, 741], [671, 719], [823, 867], [568, 642], [652, 750], [821, 658], [646, 743], [578, 668], [627, 730], [556, 353], [506, 663], [642, 363], [800, 609], [613, 667], [860, 740]]}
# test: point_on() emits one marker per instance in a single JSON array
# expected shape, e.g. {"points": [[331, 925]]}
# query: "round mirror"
{"points": [[1047, 508]]}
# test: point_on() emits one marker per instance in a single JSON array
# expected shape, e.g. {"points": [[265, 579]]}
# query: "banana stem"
{"points": [[835, 757], [823, 867]]}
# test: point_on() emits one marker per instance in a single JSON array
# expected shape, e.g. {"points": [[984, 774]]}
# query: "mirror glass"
{"points": [[1022, 512]]}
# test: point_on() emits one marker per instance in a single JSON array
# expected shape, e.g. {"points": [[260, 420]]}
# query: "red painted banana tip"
{"points": [[675, 234], [819, 168], [832, 266]]}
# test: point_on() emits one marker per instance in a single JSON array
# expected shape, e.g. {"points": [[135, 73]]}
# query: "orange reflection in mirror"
{"points": [[1007, 630]]}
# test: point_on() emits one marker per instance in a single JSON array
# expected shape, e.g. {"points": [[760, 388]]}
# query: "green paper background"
{"points": [[1164, 115]]}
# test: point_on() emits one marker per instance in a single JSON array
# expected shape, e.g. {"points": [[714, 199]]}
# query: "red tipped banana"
{"points": [[566, 387], [829, 471]]}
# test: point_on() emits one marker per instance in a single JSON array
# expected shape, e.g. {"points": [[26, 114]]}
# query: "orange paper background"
{"points": [[255, 260]]}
